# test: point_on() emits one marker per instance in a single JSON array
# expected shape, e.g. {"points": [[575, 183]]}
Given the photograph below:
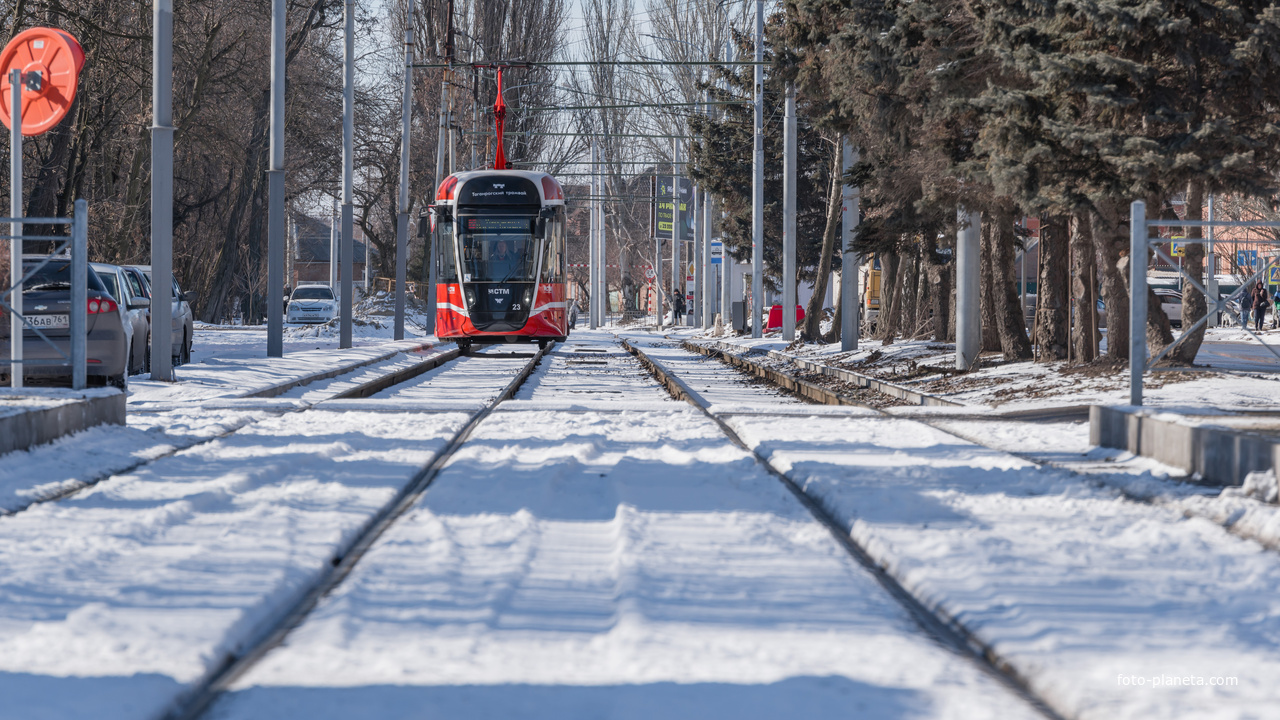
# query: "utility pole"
{"points": [[600, 292], [16, 370], [757, 184], [161, 192], [968, 309], [275, 189], [850, 263], [333, 247], [677, 237], [402, 220], [696, 260], [789, 218], [1211, 266], [592, 249], [348, 173], [708, 280]]}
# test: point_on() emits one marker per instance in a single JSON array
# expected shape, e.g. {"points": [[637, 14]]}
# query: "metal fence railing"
{"points": [[1140, 241], [76, 247]]}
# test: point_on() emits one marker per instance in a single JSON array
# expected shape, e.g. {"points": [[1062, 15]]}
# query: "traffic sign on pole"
{"points": [[50, 61], [1273, 275]]}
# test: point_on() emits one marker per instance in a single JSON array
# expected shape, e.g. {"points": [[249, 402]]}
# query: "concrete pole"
{"points": [[789, 218], [696, 260], [1211, 268], [850, 262], [593, 261], [677, 237], [1137, 299], [79, 294], [475, 128], [348, 172], [757, 185], [333, 247], [728, 269], [15, 229], [968, 308], [602, 291], [708, 281], [275, 188], [162, 191], [402, 221], [657, 280]]}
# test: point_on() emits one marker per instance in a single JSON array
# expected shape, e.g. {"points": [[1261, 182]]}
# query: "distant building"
{"points": [[309, 242]]}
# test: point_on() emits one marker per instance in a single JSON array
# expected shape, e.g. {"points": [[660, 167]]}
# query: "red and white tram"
{"points": [[501, 272]]}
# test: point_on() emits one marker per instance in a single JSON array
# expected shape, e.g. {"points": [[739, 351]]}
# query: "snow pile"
{"points": [[1261, 486]]}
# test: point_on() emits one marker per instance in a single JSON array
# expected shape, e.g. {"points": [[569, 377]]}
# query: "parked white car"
{"points": [[312, 304]]}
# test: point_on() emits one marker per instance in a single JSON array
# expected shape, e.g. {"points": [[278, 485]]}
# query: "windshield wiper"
{"points": [[47, 286]]}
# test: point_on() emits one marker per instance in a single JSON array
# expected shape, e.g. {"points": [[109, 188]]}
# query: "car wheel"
{"points": [[119, 381], [186, 348], [146, 356]]}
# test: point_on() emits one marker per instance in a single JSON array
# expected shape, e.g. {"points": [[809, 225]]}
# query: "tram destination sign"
{"points": [[660, 210]]}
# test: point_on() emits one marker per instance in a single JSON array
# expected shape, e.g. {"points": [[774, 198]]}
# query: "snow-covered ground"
{"points": [[1084, 593], [598, 550]]}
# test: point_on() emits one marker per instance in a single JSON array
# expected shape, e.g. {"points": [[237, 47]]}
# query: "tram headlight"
{"points": [[471, 296], [528, 297]]}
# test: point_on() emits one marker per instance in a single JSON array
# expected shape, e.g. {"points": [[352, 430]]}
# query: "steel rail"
{"points": [[942, 626], [364, 389], [195, 702]]}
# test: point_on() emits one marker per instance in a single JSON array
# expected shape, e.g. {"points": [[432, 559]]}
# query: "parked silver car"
{"points": [[46, 303], [183, 319], [135, 308]]}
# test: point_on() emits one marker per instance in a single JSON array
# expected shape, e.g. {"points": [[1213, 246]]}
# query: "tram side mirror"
{"points": [[540, 227]]}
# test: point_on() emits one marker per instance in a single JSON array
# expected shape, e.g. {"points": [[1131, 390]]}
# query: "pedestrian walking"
{"points": [[1261, 299], [1275, 311]]}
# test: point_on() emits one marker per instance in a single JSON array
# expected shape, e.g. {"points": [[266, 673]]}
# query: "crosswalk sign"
{"points": [[1273, 275]]}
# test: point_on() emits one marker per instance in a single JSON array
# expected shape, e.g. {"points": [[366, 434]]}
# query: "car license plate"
{"points": [[50, 322]]}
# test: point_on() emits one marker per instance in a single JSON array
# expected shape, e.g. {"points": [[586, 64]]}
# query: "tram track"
{"points": [[362, 389], [197, 700], [934, 620], [820, 394]]}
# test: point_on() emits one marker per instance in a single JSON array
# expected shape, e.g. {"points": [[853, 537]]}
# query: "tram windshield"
{"points": [[498, 248]]}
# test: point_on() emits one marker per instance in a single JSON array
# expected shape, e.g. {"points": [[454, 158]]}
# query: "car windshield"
{"points": [[313, 293], [109, 280], [498, 248], [56, 275]]}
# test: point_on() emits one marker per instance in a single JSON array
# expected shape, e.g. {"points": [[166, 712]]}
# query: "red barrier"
{"points": [[775, 317]]}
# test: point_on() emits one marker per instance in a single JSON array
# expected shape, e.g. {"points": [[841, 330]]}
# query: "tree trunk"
{"points": [[1111, 240], [1083, 347], [1051, 290], [885, 323], [1194, 305], [987, 285], [1011, 321], [940, 282], [910, 272], [813, 314]]}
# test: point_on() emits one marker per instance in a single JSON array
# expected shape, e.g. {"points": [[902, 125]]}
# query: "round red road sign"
{"points": [[50, 61]]}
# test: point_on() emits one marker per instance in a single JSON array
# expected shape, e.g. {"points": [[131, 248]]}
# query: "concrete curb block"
{"points": [[865, 381], [23, 430], [284, 387], [1218, 455]]}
